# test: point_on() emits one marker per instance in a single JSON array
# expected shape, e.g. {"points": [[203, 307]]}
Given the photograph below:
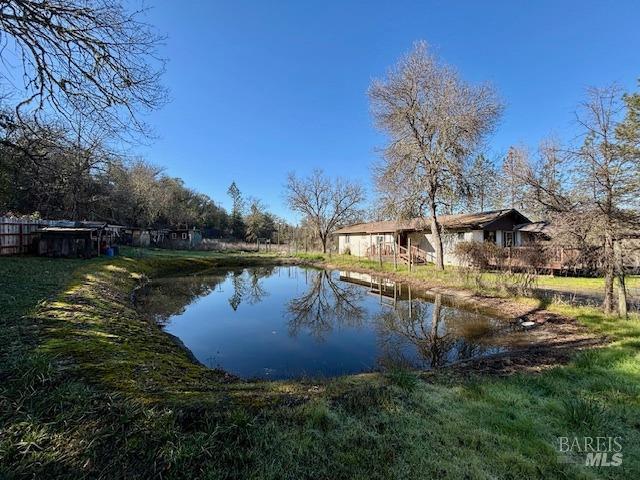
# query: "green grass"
{"points": [[583, 283], [89, 390]]}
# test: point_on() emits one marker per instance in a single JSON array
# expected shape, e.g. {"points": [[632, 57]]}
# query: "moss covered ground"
{"points": [[90, 389]]}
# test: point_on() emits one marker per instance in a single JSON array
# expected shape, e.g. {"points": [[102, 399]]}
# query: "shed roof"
{"points": [[67, 230], [454, 222]]}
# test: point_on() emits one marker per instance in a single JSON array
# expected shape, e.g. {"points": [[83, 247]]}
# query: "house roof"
{"points": [[460, 221], [534, 227]]}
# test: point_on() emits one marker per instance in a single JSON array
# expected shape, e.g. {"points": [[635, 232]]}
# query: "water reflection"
{"points": [[284, 322], [412, 331], [419, 324], [247, 285], [326, 304], [440, 334], [167, 298]]}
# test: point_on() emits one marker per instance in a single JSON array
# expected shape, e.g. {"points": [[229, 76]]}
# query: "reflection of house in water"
{"points": [[389, 291]]}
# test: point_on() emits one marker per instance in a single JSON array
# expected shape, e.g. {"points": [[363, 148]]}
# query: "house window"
{"points": [[174, 236], [379, 239], [460, 236], [508, 239], [184, 236], [346, 239], [489, 236]]}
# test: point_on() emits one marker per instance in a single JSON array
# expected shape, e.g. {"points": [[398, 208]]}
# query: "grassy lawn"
{"points": [[90, 390], [583, 283]]}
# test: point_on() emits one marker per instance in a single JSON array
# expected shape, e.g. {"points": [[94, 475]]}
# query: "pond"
{"points": [[284, 322]]}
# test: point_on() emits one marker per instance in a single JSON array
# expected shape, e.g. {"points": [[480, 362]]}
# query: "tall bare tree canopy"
{"points": [[325, 203], [88, 58], [434, 121]]}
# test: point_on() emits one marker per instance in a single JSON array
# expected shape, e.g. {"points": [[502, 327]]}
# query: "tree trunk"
{"points": [[609, 273], [622, 289], [437, 239], [622, 297], [324, 244]]}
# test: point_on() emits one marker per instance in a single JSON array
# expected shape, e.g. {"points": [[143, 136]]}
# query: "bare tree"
{"points": [[81, 57], [326, 204], [434, 121], [607, 175], [137, 197], [592, 190]]}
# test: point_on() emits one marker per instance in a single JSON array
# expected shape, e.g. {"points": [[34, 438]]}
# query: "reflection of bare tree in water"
{"points": [[247, 286], [325, 304], [421, 324], [434, 330]]}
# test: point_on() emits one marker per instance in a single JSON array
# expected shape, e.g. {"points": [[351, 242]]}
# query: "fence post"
{"points": [[409, 251], [395, 257]]}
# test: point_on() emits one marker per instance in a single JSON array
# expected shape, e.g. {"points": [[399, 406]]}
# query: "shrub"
{"points": [[403, 378], [519, 266]]}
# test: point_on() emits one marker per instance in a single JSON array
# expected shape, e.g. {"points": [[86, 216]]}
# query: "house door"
{"points": [[508, 239], [402, 239]]}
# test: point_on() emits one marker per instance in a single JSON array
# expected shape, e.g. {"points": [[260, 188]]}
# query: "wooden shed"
{"points": [[82, 242]]}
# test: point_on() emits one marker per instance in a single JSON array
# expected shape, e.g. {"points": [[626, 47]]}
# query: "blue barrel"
{"points": [[109, 252]]}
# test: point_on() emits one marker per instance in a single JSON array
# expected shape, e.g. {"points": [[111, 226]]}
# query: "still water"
{"points": [[289, 322]]}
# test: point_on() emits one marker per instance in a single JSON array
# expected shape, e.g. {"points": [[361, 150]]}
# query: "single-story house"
{"points": [[507, 228]]}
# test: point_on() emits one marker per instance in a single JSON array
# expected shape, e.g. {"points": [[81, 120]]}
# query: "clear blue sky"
{"points": [[260, 88]]}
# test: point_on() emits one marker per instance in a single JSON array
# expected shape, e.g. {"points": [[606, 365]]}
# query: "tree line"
{"points": [[90, 71], [59, 178]]}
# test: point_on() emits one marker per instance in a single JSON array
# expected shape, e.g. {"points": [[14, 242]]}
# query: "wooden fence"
{"points": [[18, 233]]}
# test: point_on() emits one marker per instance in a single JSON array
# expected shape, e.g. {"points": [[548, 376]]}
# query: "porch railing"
{"points": [[385, 251]]}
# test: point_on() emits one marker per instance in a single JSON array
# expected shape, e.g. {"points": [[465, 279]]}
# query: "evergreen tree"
{"points": [[236, 222], [482, 184]]}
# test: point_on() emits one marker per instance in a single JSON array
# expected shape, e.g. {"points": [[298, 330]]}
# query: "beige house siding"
{"points": [[357, 244], [425, 242]]}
